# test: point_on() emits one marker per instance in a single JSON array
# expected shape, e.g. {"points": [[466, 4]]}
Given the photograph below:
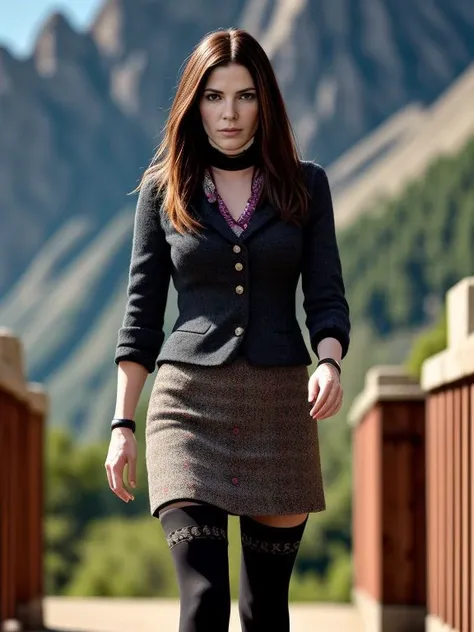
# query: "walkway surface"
{"points": [[153, 615]]}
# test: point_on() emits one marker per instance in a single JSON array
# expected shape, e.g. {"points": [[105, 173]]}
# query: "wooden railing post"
{"points": [[22, 418], [388, 503], [30, 597], [448, 379], [12, 396]]}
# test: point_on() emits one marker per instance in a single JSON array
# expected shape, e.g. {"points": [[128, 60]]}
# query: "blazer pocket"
{"points": [[196, 326]]}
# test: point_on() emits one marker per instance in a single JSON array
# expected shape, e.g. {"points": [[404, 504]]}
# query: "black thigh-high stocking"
{"points": [[197, 537], [268, 557]]}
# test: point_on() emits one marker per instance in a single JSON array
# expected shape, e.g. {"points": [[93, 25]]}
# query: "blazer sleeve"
{"points": [[141, 336], [327, 310]]}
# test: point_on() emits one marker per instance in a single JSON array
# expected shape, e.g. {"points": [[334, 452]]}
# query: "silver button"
{"points": [[239, 331], [239, 266], [237, 249], [239, 289]]}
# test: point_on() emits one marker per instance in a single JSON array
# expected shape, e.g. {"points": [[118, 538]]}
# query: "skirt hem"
{"points": [[234, 511]]}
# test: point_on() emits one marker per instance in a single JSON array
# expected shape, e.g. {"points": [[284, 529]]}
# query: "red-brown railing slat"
{"points": [[466, 509], [457, 508]]}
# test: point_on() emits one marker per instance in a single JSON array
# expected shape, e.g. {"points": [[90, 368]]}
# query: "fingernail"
{"points": [[132, 484]]}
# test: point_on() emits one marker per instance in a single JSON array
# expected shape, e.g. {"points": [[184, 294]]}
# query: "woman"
{"points": [[229, 211]]}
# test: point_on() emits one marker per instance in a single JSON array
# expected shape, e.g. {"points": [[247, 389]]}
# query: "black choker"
{"points": [[219, 160]]}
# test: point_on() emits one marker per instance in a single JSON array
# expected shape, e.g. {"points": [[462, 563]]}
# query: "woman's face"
{"points": [[229, 107]]}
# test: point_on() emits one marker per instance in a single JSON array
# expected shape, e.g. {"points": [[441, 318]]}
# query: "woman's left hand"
{"points": [[324, 386]]}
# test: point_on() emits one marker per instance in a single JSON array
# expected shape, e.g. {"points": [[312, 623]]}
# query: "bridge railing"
{"points": [[23, 409], [413, 479], [448, 379]]}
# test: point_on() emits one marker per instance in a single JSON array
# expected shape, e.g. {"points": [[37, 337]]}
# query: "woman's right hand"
{"points": [[122, 451]]}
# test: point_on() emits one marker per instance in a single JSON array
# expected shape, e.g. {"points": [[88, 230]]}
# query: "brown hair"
{"points": [[177, 168]]}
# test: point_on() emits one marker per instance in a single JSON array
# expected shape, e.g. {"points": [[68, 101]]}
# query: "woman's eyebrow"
{"points": [[220, 91]]}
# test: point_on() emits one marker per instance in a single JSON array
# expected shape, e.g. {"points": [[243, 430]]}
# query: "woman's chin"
{"points": [[231, 145]]}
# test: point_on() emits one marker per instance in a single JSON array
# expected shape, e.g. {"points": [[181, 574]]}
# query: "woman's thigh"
{"points": [[178, 505], [291, 520]]}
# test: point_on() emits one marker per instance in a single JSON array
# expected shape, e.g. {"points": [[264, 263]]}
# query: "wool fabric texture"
{"points": [[237, 436], [236, 292]]}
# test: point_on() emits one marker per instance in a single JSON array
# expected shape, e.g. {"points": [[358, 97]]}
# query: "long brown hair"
{"points": [[177, 168]]}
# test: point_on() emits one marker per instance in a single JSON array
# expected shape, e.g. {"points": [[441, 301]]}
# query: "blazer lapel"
{"points": [[209, 214], [262, 215]]}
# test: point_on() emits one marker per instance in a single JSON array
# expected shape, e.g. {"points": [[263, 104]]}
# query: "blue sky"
{"points": [[21, 19]]}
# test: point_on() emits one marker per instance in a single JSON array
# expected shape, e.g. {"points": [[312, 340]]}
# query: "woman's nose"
{"points": [[230, 112]]}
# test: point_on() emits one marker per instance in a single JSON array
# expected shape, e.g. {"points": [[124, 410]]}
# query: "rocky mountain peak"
{"points": [[6, 63], [107, 29], [59, 44]]}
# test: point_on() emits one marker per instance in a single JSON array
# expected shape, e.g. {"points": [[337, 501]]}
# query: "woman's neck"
{"points": [[232, 177], [246, 158]]}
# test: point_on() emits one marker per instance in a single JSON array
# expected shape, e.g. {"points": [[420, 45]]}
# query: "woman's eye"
{"points": [[246, 96]]}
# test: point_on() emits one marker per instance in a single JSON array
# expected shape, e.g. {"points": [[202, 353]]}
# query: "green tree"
{"points": [[123, 557], [413, 246], [77, 494], [428, 343]]}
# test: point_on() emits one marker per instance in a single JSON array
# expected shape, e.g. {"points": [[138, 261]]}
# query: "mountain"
{"points": [[70, 147], [366, 83], [343, 66], [80, 117], [400, 151]]}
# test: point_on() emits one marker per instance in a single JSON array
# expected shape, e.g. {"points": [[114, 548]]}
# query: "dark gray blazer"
{"points": [[236, 295]]}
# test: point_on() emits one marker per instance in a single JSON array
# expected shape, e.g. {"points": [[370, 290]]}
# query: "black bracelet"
{"points": [[331, 361], [123, 423]]}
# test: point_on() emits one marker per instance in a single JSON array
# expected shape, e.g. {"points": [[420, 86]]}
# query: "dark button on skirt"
{"points": [[236, 436]]}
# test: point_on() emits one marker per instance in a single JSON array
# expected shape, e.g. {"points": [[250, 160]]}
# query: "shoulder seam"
{"points": [[312, 170]]}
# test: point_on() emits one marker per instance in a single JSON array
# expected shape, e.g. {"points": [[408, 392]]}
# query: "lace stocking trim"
{"points": [[187, 534], [274, 548]]}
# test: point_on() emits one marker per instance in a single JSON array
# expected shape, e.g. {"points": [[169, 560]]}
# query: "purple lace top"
{"points": [[239, 225]]}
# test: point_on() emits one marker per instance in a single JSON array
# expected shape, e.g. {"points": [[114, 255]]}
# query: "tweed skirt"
{"points": [[237, 436]]}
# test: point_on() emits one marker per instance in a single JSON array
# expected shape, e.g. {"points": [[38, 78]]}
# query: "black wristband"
{"points": [[331, 361], [123, 423]]}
